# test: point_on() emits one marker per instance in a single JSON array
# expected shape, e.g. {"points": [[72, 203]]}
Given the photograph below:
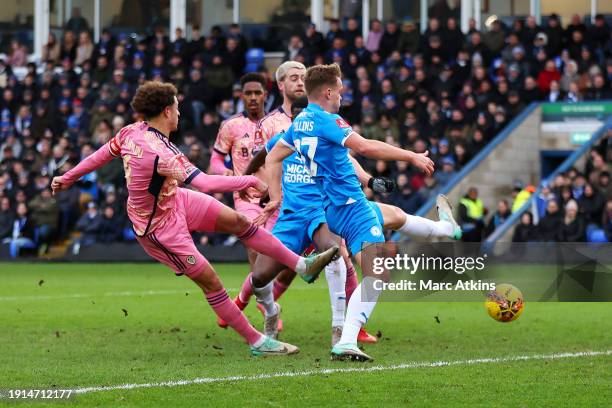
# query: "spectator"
{"points": [[110, 229], [549, 225], [18, 56], [389, 40], [375, 36], [69, 46], [85, 48], [525, 231], [500, 216], [22, 233], [89, 225], [404, 197], [471, 216], [591, 204], [447, 172], [573, 228], [77, 22], [409, 38], [548, 75], [45, 213], [7, 217], [51, 50]]}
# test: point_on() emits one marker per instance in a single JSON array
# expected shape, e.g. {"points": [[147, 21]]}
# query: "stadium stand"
{"points": [[440, 90]]}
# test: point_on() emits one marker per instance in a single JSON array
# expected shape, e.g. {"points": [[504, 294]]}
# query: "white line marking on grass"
{"points": [[126, 293], [290, 374]]}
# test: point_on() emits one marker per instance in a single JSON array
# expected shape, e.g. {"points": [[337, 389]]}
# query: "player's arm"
{"points": [[94, 161], [257, 162], [181, 169], [378, 184], [222, 146], [274, 166], [378, 150]]}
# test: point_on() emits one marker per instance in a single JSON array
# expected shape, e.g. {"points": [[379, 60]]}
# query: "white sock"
{"points": [[300, 268], [265, 298], [358, 311], [335, 273], [424, 227]]}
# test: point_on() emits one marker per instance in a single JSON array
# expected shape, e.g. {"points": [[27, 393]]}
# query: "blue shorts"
{"points": [[357, 223], [376, 209], [295, 229]]}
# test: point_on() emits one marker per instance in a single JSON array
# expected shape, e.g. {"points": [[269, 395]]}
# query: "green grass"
{"points": [[70, 331]]}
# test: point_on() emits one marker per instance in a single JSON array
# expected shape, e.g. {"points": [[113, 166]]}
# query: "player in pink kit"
{"points": [[290, 80], [164, 215]]}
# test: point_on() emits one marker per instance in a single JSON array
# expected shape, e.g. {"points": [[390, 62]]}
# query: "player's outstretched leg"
{"points": [[262, 241], [394, 218], [219, 300]]}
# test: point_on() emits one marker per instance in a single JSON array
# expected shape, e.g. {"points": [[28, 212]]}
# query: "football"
{"points": [[505, 303]]}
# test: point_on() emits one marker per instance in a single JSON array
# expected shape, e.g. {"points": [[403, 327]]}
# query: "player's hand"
{"points": [[381, 184], [228, 172], [267, 212], [422, 162], [58, 185], [261, 186]]}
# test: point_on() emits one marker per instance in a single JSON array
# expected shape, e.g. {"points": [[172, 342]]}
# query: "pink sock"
{"points": [[228, 311], [265, 243], [351, 282], [278, 289], [247, 290]]}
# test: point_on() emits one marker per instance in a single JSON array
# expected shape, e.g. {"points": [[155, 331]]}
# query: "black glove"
{"points": [[381, 184]]}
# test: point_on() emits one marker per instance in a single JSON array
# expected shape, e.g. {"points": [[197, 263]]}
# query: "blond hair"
{"points": [[320, 75], [281, 71]]}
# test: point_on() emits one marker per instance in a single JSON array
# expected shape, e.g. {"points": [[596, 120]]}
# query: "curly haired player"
{"points": [[164, 215]]}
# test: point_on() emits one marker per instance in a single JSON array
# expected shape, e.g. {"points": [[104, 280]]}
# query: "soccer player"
{"points": [[238, 137], [163, 214], [302, 222], [323, 138], [290, 80]]}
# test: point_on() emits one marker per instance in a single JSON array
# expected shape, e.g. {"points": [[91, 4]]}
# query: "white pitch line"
{"points": [[126, 293], [290, 374]]}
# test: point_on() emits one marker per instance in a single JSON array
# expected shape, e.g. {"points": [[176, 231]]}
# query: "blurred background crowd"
{"points": [[439, 90]]}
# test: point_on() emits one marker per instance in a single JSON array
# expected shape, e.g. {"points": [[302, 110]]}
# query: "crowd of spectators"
{"points": [[440, 90], [576, 206]]}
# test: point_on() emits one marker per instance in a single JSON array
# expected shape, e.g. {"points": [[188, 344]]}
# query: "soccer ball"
{"points": [[505, 303]]}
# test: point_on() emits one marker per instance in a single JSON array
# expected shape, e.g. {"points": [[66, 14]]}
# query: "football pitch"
{"points": [[135, 335]]}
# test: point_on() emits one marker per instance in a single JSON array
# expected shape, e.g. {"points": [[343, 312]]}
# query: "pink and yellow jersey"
{"points": [[238, 137], [274, 123], [154, 167]]}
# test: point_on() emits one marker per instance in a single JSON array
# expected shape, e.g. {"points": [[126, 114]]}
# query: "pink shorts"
{"points": [[171, 244], [252, 210]]}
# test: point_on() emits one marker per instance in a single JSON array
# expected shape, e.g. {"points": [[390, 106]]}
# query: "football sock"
{"points": [[424, 227], [228, 311], [246, 291], [265, 243], [266, 299], [278, 289], [335, 273], [359, 311], [351, 282]]}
